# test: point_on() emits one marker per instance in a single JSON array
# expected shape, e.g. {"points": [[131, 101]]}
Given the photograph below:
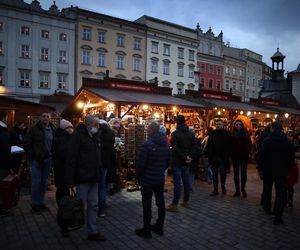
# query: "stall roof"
{"points": [[240, 106], [284, 109], [134, 97]]}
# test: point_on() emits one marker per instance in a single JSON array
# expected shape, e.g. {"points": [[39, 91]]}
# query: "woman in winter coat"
{"points": [[241, 143], [60, 147]]}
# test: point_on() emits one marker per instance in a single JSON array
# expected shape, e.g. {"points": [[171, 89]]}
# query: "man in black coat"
{"points": [[5, 151], [183, 144], [152, 162], [275, 159], [108, 167], [83, 170], [218, 151]]}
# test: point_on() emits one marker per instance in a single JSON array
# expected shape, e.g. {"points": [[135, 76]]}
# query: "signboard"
{"points": [[214, 96], [270, 103], [130, 87]]}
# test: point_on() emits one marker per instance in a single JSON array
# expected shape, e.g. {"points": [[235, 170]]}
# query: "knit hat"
{"points": [[180, 120], [63, 124]]}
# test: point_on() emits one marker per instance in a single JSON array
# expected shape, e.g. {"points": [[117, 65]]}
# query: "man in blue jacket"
{"points": [[152, 162]]}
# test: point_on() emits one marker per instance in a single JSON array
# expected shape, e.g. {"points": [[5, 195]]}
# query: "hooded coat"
{"points": [[153, 160], [276, 155], [83, 158], [183, 144]]}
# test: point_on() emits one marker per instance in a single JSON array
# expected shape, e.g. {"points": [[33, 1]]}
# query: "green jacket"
{"points": [[34, 142]]}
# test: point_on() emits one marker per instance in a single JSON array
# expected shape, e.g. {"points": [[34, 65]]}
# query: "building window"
{"points": [[247, 93], [120, 62], [25, 51], [247, 80], [25, 31], [166, 68], [218, 71], [211, 69], [62, 56], [227, 84], [45, 34], [1, 48], [253, 82], [180, 91], [181, 53], [226, 70], [120, 40], [241, 87], [202, 68], [241, 72], [218, 84], [180, 70], [166, 49], [87, 34], [233, 85], [253, 93], [25, 79], [191, 55], [101, 36], [210, 83], [44, 54], [202, 83], [44, 80], [86, 58], [136, 64], [154, 66], [1, 77], [101, 59], [233, 71], [62, 81], [1, 26], [63, 37], [191, 71], [137, 43], [154, 47]]}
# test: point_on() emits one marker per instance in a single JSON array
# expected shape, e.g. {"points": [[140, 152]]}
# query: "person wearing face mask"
{"points": [[61, 143], [83, 170]]}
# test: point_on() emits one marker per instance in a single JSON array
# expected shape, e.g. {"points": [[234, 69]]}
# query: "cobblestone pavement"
{"points": [[220, 222]]}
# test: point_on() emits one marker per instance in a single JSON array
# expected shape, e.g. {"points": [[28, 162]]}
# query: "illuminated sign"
{"points": [[130, 87], [213, 96]]}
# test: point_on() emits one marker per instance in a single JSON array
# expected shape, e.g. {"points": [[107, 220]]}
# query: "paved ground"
{"points": [[221, 222]]}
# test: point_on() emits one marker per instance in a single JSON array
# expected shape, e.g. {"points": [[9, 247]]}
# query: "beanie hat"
{"points": [[180, 120], [63, 124]]}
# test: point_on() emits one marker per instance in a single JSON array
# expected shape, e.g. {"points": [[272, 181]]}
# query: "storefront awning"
{"points": [[280, 109], [134, 97], [239, 106]]}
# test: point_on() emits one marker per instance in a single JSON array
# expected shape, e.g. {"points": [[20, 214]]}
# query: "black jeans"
{"points": [[219, 165], [240, 166], [280, 190], [147, 205]]}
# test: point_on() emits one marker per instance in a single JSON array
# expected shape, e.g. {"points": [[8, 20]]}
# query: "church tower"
{"points": [[278, 73]]}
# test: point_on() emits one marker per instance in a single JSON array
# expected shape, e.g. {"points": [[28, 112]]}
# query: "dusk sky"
{"points": [[258, 25]]}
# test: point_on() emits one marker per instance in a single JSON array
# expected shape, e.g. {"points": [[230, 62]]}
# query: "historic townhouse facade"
{"points": [[36, 50], [171, 54], [253, 72], [108, 43], [210, 61], [234, 75]]}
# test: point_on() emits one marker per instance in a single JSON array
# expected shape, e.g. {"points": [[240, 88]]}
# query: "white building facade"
{"points": [[171, 54], [37, 50]]}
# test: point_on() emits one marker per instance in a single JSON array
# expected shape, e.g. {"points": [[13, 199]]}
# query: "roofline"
{"points": [[166, 22]]}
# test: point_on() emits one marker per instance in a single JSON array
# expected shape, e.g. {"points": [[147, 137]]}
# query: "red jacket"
{"points": [[293, 176]]}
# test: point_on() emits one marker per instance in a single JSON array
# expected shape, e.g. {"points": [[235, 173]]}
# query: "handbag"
{"points": [[70, 213]]}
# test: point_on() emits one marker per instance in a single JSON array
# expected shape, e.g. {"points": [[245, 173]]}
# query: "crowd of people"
{"points": [[84, 157]]}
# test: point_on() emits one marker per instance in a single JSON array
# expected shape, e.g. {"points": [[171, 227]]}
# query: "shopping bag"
{"points": [[70, 212], [9, 191]]}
